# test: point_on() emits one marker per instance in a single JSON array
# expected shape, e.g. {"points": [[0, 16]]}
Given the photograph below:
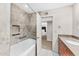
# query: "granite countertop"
{"points": [[72, 43]]}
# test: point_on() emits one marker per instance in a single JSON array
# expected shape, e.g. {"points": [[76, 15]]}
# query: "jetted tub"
{"points": [[24, 48]]}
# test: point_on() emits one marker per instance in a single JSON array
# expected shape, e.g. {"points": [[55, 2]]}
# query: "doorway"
{"points": [[46, 36]]}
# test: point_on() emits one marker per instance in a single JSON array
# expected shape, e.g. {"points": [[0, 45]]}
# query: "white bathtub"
{"points": [[24, 48]]}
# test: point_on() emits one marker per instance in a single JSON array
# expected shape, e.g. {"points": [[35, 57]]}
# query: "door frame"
{"points": [[38, 34], [52, 27]]}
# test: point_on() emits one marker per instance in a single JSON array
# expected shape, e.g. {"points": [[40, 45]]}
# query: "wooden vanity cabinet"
{"points": [[63, 50]]}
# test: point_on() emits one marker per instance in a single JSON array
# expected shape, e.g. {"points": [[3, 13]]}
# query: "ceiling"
{"points": [[25, 7], [46, 6], [36, 7]]}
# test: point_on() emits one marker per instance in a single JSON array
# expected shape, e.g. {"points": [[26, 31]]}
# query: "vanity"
{"points": [[68, 45]]}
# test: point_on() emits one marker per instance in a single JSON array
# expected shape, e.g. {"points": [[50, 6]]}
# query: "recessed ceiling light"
{"points": [[26, 6]]}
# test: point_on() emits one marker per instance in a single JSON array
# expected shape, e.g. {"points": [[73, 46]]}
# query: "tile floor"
{"points": [[55, 53], [45, 52], [47, 48], [46, 44]]}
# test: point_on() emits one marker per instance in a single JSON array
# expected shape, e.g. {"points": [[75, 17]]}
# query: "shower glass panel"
{"points": [[23, 31]]}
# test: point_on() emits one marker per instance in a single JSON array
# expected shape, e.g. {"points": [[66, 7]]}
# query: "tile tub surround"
{"points": [[27, 23], [73, 47]]}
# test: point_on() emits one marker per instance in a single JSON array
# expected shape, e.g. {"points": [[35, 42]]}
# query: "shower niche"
{"points": [[16, 30]]}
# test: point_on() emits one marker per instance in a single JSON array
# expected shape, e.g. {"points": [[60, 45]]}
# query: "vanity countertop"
{"points": [[72, 43]]}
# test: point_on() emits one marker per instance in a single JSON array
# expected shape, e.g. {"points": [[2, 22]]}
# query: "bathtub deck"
{"points": [[23, 48]]}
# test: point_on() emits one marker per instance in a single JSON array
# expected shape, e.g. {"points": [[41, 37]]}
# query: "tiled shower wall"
{"points": [[27, 23]]}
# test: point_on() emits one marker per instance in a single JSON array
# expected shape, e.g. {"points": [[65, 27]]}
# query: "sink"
{"points": [[72, 42]]}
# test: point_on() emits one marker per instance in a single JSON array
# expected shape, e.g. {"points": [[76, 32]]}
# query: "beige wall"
{"points": [[62, 24], [76, 19], [4, 28]]}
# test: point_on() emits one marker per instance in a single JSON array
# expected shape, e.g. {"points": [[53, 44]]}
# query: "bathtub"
{"points": [[24, 48]]}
